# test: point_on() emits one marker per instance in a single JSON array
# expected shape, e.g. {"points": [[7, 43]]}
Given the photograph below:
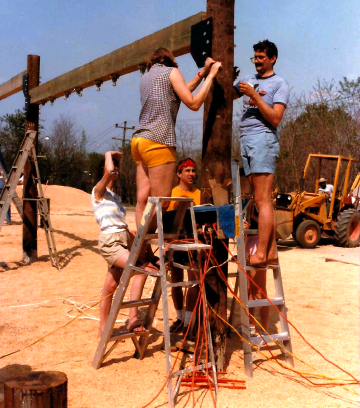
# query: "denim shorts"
{"points": [[259, 152]]}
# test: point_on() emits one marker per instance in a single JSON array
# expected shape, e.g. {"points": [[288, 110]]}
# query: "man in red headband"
{"points": [[186, 172]]}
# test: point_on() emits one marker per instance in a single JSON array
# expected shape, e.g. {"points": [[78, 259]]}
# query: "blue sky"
{"points": [[316, 39]]}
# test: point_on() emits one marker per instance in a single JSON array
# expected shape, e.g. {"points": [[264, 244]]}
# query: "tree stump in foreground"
{"points": [[39, 389]]}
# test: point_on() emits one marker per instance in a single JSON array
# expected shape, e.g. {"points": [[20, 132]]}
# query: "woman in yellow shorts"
{"points": [[162, 90]]}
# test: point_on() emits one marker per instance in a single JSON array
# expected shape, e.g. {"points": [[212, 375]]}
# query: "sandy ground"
{"points": [[322, 300]]}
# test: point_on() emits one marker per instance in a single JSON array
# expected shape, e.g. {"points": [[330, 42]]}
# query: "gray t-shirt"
{"points": [[273, 89]]}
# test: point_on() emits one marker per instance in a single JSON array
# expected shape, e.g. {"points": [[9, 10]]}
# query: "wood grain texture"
{"points": [[121, 61], [40, 389], [12, 86]]}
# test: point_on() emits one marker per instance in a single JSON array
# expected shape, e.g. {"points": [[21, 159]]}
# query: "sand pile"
{"points": [[65, 199]]}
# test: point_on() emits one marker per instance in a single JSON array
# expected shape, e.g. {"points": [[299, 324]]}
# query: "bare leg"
{"points": [[161, 180], [192, 293], [110, 285], [262, 184], [143, 191], [259, 277], [177, 275]]}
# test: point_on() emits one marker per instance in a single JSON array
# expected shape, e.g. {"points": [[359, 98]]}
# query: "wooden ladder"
{"points": [[28, 151], [241, 289], [141, 339]]}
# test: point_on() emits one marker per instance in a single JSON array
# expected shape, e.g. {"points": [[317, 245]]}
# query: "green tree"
{"points": [[12, 132], [319, 129]]}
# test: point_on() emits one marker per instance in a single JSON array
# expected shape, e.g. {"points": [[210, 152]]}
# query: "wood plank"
{"points": [[121, 61], [12, 86]]}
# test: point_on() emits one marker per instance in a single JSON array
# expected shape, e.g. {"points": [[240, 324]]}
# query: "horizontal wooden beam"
{"points": [[12, 86], [119, 62]]}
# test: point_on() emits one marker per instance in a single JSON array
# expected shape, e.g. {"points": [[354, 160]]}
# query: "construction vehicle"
{"points": [[306, 214]]}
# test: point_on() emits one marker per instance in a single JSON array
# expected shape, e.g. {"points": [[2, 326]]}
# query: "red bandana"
{"points": [[187, 163]]}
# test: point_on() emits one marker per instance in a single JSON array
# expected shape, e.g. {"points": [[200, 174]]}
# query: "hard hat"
{"points": [[322, 180]]}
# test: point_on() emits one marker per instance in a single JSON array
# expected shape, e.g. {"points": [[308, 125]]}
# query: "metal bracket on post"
{"points": [[25, 88], [201, 41]]}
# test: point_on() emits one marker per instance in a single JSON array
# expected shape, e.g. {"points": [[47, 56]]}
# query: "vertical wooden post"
{"points": [[39, 389], [29, 189], [216, 151]]}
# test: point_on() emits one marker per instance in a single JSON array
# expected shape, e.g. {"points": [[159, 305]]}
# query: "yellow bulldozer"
{"points": [[309, 212]]}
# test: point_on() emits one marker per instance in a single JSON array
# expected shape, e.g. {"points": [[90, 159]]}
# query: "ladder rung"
{"points": [[137, 303], [184, 267], [184, 246], [135, 268], [126, 335], [188, 283], [264, 302], [189, 370], [256, 341], [159, 199], [166, 236], [14, 167], [251, 231]]}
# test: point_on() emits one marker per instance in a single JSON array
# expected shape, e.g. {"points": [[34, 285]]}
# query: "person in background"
{"points": [[186, 173], [325, 188], [2, 185]]}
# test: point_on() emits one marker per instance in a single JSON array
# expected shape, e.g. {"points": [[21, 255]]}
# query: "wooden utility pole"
{"points": [[124, 133], [29, 188], [216, 152]]}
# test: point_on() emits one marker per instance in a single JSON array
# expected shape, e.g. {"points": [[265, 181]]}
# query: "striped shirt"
{"points": [[160, 106], [109, 212]]}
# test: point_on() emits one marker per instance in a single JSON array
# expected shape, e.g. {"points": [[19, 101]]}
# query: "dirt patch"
{"points": [[322, 300]]}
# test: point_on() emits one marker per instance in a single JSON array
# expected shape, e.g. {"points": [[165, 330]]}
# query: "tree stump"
{"points": [[39, 389]]}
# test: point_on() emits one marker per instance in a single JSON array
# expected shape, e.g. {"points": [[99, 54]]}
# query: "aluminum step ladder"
{"points": [[141, 339], [28, 151], [241, 288], [15, 199]]}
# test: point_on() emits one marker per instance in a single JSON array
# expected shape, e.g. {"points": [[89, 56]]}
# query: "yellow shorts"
{"points": [[151, 153]]}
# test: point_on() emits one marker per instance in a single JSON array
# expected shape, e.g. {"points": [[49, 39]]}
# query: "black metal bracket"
{"points": [[25, 89], [201, 41]]}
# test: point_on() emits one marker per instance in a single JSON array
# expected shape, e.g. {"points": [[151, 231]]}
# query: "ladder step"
{"points": [[279, 301], [14, 167], [188, 283], [256, 341], [126, 335], [2, 202], [183, 246], [160, 199], [166, 236], [135, 268], [184, 267], [189, 370], [138, 303], [251, 231]]}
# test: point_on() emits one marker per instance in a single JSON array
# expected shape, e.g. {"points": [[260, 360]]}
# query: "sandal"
{"points": [[273, 261], [134, 325], [261, 264]]}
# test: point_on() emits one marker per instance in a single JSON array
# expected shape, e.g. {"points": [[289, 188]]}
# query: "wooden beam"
{"points": [[12, 86], [121, 61]]}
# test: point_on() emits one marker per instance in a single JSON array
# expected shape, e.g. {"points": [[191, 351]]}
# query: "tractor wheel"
{"points": [[308, 234], [347, 229]]}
